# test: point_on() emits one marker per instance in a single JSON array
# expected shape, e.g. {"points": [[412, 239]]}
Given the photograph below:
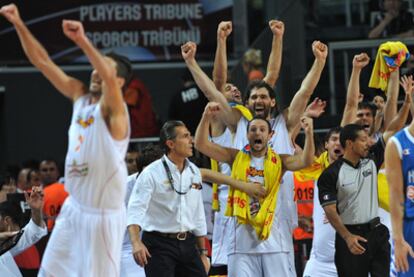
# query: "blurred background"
{"points": [[34, 118]]}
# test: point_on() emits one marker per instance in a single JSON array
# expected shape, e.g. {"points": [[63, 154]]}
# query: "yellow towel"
{"points": [[383, 192], [244, 111], [215, 205], [390, 56], [315, 170], [214, 165], [238, 202]]}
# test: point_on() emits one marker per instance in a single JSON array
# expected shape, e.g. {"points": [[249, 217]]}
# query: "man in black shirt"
{"points": [[394, 21], [349, 195]]}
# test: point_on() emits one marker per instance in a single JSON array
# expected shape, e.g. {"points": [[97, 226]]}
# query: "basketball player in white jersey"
{"points": [[88, 233], [221, 135], [261, 101]]}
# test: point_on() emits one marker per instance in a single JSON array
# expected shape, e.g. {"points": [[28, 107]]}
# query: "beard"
{"points": [[264, 113], [95, 93]]}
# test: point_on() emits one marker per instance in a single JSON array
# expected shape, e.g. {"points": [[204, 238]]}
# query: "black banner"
{"points": [[147, 30]]}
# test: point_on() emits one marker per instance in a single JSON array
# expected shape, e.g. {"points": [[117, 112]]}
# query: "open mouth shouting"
{"points": [[237, 96], [338, 152], [257, 144], [259, 110]]}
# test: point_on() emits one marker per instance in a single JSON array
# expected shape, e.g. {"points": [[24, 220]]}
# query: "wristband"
{"points": [[203, 251]]}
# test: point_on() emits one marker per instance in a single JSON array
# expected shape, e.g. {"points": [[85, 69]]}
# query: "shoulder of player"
{"points": [[332, 171]]}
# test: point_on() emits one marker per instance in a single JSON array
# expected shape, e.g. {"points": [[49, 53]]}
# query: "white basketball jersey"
{"points": [[95, 170], [285, 220]]}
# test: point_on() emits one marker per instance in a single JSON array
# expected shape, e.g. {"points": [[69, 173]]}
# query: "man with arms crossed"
{"points": [[88, 233]]}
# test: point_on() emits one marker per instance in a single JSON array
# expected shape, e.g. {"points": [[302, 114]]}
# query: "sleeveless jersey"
{"points": [[286, 217], [95, 170], [405, 145]]}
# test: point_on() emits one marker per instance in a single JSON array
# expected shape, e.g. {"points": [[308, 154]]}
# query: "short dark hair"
{"points": [[29, 177], [367, 105], [258, 85], [349, 132], [12, 209], [259, 118], [149, 154], [333, 130], [49, 161], [5, 178], [123, 67], [168, 132]]}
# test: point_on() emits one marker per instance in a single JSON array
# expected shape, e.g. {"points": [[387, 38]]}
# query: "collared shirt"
{"points": [[155, 206], [32, 234], [353, 188]]}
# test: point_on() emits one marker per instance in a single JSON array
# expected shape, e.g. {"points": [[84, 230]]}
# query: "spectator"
{"points": [[33, 179], [141, 113], [131, 160], [10, 215], [393, 21], [188, 104], [22, 179], [253, 65], [7, 185], [54, 192]]}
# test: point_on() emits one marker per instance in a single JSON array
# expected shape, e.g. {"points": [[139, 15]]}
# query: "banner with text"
{"points": [[151, 30]]}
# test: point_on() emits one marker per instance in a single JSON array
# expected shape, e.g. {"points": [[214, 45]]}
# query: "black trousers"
{"points": [[302, 252], [376, 258], [171, 257]]}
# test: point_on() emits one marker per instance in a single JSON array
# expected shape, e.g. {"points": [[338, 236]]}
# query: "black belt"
{"points": [[178, 236], [371, 225]]}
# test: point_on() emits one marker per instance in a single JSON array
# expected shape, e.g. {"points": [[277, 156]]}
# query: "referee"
{"points": [[348, 194]]}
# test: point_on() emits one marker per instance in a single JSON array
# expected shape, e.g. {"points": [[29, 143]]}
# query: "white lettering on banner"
{"points": [[176, 36], [133, 12], [411, 176], [189, 95], [173, 11], [110, 12], [114, 39]]}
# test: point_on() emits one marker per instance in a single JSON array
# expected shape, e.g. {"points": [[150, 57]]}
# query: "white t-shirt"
{"points": [[323, 245], [32, 234]]}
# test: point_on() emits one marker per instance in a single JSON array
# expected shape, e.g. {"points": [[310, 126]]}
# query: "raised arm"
{"points": [[38, 56], [352, 95], [305, 158], [112, 103], [275, 58], [377, 30], [229, 116], [398, 122], [314, 110], [220, 60], [204, 145], [35, 202], [302, 96], [390, 109]]}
